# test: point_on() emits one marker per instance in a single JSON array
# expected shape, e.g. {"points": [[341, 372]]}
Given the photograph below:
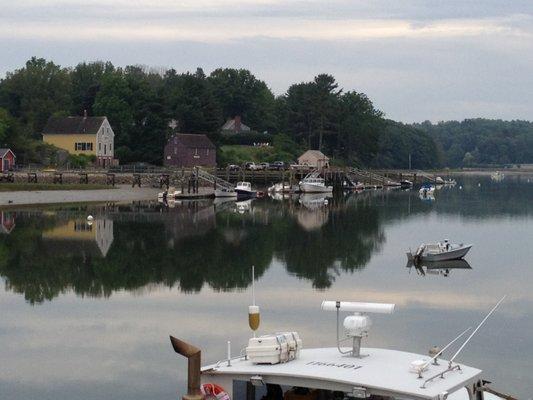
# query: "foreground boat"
{"points": [[279, 365], [441, 251]]}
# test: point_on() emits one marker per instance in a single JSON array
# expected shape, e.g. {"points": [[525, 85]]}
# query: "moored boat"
{"points": [[314, 183], [244, 190], [440, 251], [427, 189]]}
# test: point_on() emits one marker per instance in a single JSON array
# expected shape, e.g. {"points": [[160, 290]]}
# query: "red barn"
{"points": [[7, 160], [190, 150]]}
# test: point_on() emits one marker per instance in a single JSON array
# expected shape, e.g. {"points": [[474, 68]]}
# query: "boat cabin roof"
{"points": [[244, 184], [381, 372]]}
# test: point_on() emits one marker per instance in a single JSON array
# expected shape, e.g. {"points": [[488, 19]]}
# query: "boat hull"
{"points": [[312, 188], [454, 254], [244, 194], [225, 193]]}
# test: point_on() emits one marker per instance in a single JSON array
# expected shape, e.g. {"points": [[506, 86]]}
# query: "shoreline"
{"points": [[122, 193]]}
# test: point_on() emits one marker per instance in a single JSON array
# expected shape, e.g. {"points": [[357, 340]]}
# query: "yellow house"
{"points": [[82, 135]]}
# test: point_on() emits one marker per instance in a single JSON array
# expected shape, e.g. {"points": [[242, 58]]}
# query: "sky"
{"points": [[416, 59]]}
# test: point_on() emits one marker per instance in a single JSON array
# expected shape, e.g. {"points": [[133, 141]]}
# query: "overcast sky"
{"points": [[416, 59]]}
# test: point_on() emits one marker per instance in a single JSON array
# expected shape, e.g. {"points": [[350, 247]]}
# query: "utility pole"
{"points": [[409, 161]]}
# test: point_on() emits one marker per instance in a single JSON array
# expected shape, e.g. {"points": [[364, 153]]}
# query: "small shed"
{"points": [[190, 150], [314, 159], [7, 158]]}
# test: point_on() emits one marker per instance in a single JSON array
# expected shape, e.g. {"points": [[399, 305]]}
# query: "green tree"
{"points": [[33, 93]]}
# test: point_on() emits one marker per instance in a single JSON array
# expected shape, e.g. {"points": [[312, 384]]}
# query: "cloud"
{"points": [[416, 59]]}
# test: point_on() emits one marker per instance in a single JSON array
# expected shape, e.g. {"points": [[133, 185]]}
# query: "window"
{"points": [[196, 153], [105, 149], [99, 146], [83, 146], [175, 150], [207, 152]]}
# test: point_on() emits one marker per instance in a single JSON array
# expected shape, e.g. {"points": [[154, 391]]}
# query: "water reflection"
{"points": [[196, 243], [438, 268]]}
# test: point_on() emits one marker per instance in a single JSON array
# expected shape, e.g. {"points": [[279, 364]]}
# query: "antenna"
{"points": [[253, 285], [253, 310], [475, 330]]}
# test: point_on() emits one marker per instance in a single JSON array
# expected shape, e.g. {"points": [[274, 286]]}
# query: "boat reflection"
{"points": [[440, 268]]}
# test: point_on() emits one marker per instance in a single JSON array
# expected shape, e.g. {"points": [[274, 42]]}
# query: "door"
{"points": [[5, 166]]}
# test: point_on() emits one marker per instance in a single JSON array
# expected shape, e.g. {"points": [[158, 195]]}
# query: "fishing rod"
{"points": [[475, 330]]}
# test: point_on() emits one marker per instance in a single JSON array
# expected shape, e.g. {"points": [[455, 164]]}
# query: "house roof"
{"points": [[193, 140], [3, 152], [315, 154], [73, 125], [230, 126]]}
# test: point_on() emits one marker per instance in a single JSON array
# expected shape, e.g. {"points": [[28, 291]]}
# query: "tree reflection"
{"points": [[129, 247]]}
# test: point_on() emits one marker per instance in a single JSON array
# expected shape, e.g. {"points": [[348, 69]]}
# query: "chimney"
{"points": [[237, 120], [84, 114]]}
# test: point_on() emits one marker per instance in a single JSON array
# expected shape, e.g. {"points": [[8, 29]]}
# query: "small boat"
{"points": [[439, 181], [280, 188], [441, 251], [170, 193], [313, 183], [427, 189], [450, 182], [406, 184], [244, 190], [223, 192], [497, 176]]}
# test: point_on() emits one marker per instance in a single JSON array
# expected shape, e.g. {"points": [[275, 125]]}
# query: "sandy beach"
{"points": [[119, 193]]}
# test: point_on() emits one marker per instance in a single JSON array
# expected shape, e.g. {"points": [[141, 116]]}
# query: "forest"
{"points": [[140, 102], [482, 142]]}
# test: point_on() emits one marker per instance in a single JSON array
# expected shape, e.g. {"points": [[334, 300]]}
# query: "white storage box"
{"points": [[294, 342], [268, 349]]}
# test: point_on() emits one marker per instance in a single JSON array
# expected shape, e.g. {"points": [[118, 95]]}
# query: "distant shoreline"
{"points": [[120, 193]]}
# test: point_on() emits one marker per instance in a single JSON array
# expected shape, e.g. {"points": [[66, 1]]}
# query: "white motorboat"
{"points": [[441, 251], [280, 188], [427, 189], [170, 193], [314, 183], [223, 192], [497, 176], [279, 365], [244, 189]]}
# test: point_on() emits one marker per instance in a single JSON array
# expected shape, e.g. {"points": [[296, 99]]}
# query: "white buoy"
{"points": [[90, 218], [479, 185], [326, 202]]}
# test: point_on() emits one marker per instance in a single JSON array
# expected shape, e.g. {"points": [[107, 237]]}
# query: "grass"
{"points": [[12, 187]]}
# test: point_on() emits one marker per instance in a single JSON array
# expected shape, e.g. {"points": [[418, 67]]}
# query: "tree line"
{"points": [[482, 142], [140, 103]]}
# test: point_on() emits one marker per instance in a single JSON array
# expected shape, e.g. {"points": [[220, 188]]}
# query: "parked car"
{"points": [[263, 165], [251, 166], [277, 165], [233, 167]]}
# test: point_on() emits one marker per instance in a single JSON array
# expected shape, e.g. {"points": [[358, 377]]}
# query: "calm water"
{"points": [[85, 311]]}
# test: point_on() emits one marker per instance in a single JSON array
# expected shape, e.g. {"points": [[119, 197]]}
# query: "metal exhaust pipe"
{"points": [[194, 357]]}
